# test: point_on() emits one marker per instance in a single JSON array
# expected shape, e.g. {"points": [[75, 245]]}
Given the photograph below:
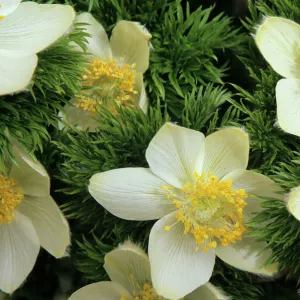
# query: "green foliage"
{"points": [[28, 114]]}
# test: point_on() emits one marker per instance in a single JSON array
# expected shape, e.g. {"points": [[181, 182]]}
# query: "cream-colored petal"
{"points": [[98, 44], [256, 185], [30, 175], [32, 27], [207, 292], [131, 41], [126, 261], [16, 70], [142, 98], [19, 248], [175, 153], [288, 105], [77, 117], [225, 151], [51, 226], [131, 193], [278, 40], [293, 202], [8, 6], [244, 255], [104, 290], [176, 268]]}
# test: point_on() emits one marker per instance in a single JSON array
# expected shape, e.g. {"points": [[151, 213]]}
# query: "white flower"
{"points": [[199, 189], [115, 73], [129, 269], [29, 218], [293, 202], [25, 30], [278, 40]]}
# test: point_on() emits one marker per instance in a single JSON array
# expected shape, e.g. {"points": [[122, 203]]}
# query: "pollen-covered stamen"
{"points": [[107, 80], [10, 198], [210, 210], [143, 291]]}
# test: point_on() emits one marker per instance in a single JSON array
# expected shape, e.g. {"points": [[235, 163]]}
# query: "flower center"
{"points": [[142, 292], [210, 210], [10, 198], [107, 81]]}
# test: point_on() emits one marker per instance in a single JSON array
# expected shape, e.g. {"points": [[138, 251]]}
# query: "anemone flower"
{"points": [[202, 194]]}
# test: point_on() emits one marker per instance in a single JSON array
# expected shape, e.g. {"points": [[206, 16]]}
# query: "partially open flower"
{"points": [[129, 269], [278, 40], [203, 195], [115, 73], [29, 218], [26, 29]]}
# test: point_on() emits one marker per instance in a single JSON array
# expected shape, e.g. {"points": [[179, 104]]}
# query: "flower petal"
{"points": [[126, 261], [255, 185], [8, 6], [19, 248], [225, 151], [142, 96], [30, 175], [33, 27], [244, 255], [77, 117], [131, 41], [50, 224], [293, 202], [176, 268], [278, 40], [131, 193], [207, 292], [288, 105], [11, 62], [98, 44], [175, 153], [104, 290]]}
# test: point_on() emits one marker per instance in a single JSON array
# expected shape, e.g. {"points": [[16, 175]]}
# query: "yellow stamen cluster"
{"points": [[105, 80], [143, 292], [10, 198], [210, 210]]}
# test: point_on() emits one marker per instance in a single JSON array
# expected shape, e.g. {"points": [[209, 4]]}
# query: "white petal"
{"points": [[77, 117], [16, 70], [128, 260], [225, 151], [8, 6], [104, 290], [243, 255], [293, 202], [131, 193], [288, 105], [30, 175], [175, 153], [131, 41], [207, 292], [142, 96], [255, 185], [32, 27], [98, 43], [50, 224], [176, 268], [19, 248], [278, 40]]}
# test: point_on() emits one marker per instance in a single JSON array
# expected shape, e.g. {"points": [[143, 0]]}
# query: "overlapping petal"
{"points": [[19, 248], [176, 268], [175, 153], [131, 193], [278, 41], [207, 292], [8, 6]]}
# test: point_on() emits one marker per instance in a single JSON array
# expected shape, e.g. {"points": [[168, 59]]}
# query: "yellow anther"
{"points": [[210, 210], [10, 198]]}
